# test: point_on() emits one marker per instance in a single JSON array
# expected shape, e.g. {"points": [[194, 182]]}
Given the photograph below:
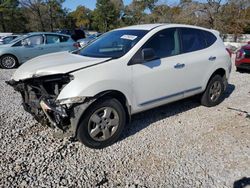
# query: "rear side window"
{"points": [[52, 39], [209, 37], [64, 38], [192, 40], [165, 43]]}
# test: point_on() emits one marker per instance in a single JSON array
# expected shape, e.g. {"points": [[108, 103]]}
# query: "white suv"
{"points": [[92, 93]]}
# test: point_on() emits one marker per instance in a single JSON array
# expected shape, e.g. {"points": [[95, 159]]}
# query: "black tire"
{"points": [[8, 62], [86, 125], [207, 98], [239, 69]]}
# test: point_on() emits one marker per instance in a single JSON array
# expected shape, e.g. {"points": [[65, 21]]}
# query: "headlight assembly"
{"points": [[71, 100]]}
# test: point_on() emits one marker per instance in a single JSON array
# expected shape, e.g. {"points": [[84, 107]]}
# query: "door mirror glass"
{"points": [[148, 54]]}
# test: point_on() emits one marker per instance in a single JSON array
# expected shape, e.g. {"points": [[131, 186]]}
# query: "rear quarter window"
{"points": [[192, 40], [209, 37]]}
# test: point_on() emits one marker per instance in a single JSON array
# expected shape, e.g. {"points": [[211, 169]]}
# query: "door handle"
{"points": [[40, 48], [212, 58], [179, 66]]}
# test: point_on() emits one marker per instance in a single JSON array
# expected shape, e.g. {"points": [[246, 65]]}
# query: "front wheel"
{"points": [[102, 124], [8, 62], [213, 94]]}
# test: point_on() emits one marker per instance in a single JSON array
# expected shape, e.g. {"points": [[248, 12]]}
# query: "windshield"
{"points": [[113, 44], [18, 38]]}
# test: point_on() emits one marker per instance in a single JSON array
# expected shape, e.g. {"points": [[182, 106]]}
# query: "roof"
{"points": [[149, 27], [142, 26], [43, 33]]}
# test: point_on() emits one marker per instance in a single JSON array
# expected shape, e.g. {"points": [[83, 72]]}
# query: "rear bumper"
{"points": [[245, 66], [243, 63]]}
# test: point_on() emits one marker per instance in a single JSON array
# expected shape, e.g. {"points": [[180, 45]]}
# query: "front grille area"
{"points": [[34, 90]]}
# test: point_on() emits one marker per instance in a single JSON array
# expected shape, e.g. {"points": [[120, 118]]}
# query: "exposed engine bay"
{"points": [[39, 96]]}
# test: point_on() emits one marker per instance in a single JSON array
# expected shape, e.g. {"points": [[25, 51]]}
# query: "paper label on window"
{"points": [[129, 37]]}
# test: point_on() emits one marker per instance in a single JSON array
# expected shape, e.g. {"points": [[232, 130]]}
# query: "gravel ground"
{"points": [[178, 145]]}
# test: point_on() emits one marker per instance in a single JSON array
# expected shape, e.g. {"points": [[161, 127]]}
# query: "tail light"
{"points": [[76, 45], [229, 52], [240, 55]]}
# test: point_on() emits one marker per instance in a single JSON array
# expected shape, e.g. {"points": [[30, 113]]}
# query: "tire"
{"points": [[212, 96], [8, 62], [239, 69], [97, 130]]}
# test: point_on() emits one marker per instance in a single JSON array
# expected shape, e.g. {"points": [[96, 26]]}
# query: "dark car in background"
{"points": [[76, 34], [242, 61]]}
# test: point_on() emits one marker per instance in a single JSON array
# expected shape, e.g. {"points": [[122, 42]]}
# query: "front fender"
{"points": [[100, 78]]}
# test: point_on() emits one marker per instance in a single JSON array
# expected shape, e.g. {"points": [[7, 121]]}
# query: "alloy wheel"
{"points": [[215, 91], [103, 123]]}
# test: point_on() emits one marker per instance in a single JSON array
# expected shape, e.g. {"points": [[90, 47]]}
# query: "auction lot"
{"points": [[178, 145]]}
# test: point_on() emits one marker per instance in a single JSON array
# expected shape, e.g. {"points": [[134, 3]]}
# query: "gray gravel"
{"points": [[178, 145]]}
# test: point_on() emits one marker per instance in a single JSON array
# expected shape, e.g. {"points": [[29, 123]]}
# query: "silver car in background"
{"points": [[88, 39], [31, 45], [8, 39]]}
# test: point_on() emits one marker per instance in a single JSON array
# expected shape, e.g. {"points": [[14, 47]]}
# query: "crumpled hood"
{"points": [[54, 63]]}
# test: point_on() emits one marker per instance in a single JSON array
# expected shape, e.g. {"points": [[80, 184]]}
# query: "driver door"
{"points": [[32, 46], [159, 81]]}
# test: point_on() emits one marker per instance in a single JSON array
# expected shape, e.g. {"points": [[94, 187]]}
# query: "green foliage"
{"points": [[11, 17], [105, 16], [230, 16]]}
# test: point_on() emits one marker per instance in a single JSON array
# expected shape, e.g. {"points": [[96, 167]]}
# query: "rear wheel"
{"points": [[8, 62], [102, 124], [213, 94]]}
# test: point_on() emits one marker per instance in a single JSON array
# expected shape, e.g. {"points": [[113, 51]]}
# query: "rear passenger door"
{"points": [[52, 43], [56, 43], [198, 59]]}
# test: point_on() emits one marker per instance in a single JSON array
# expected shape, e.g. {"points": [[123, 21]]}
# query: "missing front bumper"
{"points": [[56, 115]]}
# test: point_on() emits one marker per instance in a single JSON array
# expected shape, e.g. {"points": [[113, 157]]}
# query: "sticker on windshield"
{"points": [[129, 37]]}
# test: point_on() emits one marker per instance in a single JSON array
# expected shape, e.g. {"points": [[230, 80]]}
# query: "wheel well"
{"points": [[10, 55], [220, 72], [120, 97]]}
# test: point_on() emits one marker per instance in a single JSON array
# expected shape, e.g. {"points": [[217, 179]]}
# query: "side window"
{"points": [[34, 40], [165, 43], [64, 39], [52, 39], [192, 40], [209, 37]]}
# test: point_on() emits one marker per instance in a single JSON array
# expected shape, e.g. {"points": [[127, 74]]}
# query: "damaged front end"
{"points": [[39, 96]]}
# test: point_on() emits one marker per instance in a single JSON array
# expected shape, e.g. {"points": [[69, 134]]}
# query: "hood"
{"points": [[55, 63], [5, 45]]}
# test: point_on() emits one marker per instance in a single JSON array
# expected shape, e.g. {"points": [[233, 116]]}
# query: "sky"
{"points": [[72, 4]]}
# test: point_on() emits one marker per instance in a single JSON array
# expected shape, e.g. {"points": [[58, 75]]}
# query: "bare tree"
{"points": [[35, 6]]}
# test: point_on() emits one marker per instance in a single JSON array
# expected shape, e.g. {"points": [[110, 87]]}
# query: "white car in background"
{"points": [[91, 94]]}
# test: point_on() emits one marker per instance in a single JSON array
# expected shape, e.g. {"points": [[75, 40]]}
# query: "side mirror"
{"points": [[148, 54], [248, 42]]}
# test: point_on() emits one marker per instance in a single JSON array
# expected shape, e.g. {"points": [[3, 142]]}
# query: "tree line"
{"points": [[21, 16]]}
